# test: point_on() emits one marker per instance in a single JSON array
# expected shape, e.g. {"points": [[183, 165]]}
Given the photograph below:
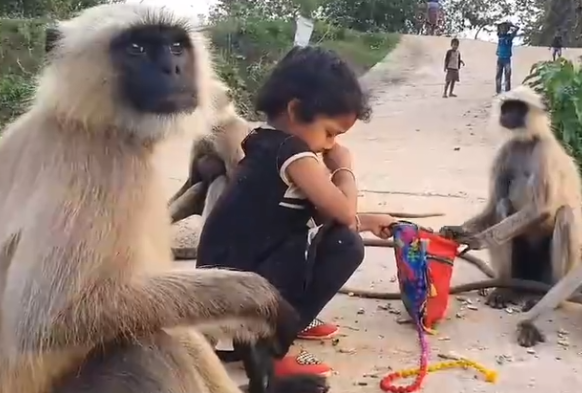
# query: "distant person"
{"points": [[433, 12], [557, 46], [453, 63], [506, 32]]}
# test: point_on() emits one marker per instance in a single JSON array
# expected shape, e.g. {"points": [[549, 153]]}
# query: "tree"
{"points": [[530, 14], [542, 19], [45, 8], [371, 15], [476, 15], [264, 9]]}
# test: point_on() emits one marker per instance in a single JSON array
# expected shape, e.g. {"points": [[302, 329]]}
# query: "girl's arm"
{"points": [[339, 161], [345, 181], [311, 177]]}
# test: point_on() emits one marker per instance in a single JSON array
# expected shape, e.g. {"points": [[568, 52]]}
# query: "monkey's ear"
{"points": [[52, 36]]}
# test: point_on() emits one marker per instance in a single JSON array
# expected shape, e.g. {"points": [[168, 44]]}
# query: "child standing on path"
{"points": [[506, 32], [453, 64], [557, 46], [261, 221], [433, 15]]}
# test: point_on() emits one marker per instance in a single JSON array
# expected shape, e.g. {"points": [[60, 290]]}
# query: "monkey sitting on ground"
{"points": [[532, 168], [213, 158], [91, 300]]}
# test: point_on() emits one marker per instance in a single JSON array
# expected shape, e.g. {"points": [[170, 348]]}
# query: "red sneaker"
{"points": [[318, 330], [304, 363]]}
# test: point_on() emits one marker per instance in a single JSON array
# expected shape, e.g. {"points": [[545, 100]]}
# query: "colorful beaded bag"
{"points": [[424, 263]]}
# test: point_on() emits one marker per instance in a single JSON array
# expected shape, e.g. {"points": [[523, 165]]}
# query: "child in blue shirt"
{"points": [[506, 32]]}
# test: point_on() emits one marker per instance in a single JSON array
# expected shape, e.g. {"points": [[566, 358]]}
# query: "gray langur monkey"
{"points": [[213, 158], [533, 170], [90, 298]]}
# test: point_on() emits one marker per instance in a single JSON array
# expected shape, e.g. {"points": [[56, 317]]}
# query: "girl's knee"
{"points": [[343, 240]]}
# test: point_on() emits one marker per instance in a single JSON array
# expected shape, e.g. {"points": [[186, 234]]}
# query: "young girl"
{"points": [[261, 221]]}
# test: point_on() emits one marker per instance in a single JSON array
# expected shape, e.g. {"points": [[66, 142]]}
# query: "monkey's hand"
{"points": [[453, 232], [286, 328], [210, 167], [501, 298], [528, 334], [461, 235]]}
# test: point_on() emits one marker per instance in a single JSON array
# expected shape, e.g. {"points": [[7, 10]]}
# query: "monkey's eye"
{"points": [[135, 49], [177, 48]]}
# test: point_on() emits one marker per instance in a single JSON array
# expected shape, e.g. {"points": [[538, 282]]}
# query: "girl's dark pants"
{"points": [[309, 283]]}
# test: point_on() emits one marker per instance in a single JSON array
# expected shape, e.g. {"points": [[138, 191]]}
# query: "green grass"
{"points": [[362, 57]]}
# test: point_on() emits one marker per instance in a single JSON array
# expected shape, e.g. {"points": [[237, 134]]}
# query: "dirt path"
{"points": [[419, 153]]}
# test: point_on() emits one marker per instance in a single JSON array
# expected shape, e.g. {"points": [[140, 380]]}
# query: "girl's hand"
{"points": [[337, 157], [378, 224]]}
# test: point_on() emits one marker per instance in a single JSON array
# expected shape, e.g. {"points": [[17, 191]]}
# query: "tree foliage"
{"points": [[45, 8], [248, 37], [263, 9], [477, 15], [542, 19], [373, 15], [560, 83]]}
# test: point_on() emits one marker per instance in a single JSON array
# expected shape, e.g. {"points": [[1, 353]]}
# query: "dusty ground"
{"points": [[425, 153]]}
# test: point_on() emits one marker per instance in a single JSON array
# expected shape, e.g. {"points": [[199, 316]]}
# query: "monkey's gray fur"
{"points": [[213, 158], [533, 169]]}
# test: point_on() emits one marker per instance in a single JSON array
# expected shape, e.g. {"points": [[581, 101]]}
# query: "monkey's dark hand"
{"points": [[501, 298], [210, 167], [286, 327], [460, 235], [529, 335], [470, 241], [453, 232]]}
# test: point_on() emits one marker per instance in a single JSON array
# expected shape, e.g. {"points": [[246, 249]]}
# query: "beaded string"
{"points": [[423, 369], [420, 372]]}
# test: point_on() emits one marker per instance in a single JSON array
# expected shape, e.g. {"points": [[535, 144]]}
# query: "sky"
{"points": [[193, 7], [483, 35]]}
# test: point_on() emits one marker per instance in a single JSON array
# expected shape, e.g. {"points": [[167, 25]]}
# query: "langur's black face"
{"points": [[513, 114], [155, 66]]}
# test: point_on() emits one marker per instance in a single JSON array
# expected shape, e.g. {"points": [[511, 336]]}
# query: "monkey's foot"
{"points": [[502, 297], [302, 383], [483, 292], [529, 304], [529, 335]]}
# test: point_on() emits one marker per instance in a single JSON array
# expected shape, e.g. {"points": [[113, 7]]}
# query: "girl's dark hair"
{"points": [[319, 79]]}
